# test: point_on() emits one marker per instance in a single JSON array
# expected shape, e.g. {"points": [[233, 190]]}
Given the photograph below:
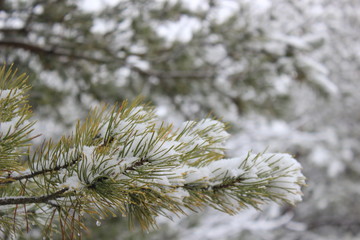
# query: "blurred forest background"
{"points": [[283, 73]]}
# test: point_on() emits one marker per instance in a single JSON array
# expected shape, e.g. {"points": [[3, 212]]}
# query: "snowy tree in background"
{"points": [[282, 73], [225, 57], [121, 159]]}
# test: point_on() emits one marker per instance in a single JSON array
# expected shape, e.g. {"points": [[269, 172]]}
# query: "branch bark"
{"points": [[34, 174], [137, 164], [35, 199]]}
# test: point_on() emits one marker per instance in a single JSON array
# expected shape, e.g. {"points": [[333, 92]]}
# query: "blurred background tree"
{"points": [[283, 72]]}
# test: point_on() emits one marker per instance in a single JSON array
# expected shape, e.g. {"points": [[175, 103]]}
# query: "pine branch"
{"points": [[122, 159]]}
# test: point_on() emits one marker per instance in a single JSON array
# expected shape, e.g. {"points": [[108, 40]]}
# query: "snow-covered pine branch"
{"points": [[122, 159]]}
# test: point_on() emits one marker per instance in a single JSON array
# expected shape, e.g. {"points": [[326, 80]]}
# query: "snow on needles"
{"points": [[278, 173], [179, 162], [9, 127]]}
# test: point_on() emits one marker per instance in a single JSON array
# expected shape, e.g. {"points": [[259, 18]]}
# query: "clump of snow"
{"points": [[205, 133], [288, 177], [197, 175], [10, 93], [226, 168], [293, 41], [20, 173], [196, 5], [92, 6], [88, 152], [73, 183], [280, 173], [164, 149], [178, 194], [9, 127], [213, 128], [138, 62], [181, 30], [121, 164], [318, 75], [5, 93]]}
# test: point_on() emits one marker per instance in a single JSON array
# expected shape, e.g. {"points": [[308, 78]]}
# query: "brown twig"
{"points": [[34, 174], [35, 199]]}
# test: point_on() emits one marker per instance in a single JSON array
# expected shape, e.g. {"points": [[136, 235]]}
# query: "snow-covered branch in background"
{"points": [[123, 159]]}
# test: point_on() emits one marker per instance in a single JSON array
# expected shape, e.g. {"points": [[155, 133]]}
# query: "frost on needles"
{"points": [[123, 160]]}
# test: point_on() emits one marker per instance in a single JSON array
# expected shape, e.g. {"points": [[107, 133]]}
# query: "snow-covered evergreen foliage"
{"points": [[123, 160], [282, 73]]}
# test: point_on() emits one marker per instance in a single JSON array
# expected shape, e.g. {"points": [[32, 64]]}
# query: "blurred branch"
{"points": [[174, 74], [12, 30], [340, 222], [2, 4], [41, 50]]}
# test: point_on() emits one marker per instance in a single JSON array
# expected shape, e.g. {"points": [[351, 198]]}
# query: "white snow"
{"points": [[73, 183], [181, 30], [9, 127], [197, 175], [138, 62], [96, 5], [296, 42], [164, 150], [6, 93], [123, 163], [318, 74], [179, 194]]}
